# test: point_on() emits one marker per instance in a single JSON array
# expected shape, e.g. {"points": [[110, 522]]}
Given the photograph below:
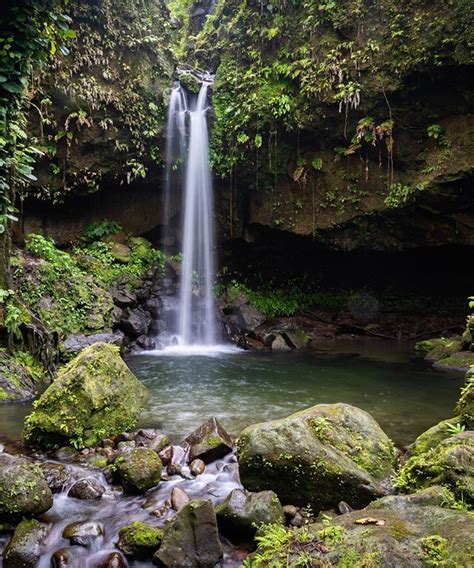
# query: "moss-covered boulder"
{"points": [[322, 455], [439, 348], [23, 489], [465, 405], [242, 513], [191, 540], [23, 549], [93, 397], [434, 435], [449, 463], [139, 469], [140, 540], [209, 442], [459, 361], [415, 531]]}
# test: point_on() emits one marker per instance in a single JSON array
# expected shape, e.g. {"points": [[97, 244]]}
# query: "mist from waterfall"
{"points": [[188, 144]]}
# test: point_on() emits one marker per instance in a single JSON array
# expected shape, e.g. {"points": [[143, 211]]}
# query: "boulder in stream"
{"points": [[23, 489], [191, 539], [239, 516], [83, 532], [139, 469], [140, 540], [319, 456], [87, 488], [94, 396], [209, 442], [23, 550]]}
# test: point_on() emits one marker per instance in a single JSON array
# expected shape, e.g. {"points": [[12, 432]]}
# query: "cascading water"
{"points": [[196, 318], [175, 151]]}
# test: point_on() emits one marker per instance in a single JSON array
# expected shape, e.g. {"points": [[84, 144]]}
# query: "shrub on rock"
{"points": [[319, 456], [93, 397], [465, 405]]}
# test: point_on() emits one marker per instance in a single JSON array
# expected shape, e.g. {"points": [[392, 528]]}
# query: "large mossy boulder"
{"points": [[449, 463], [93, 397], [24, 548], [319, 456], [242, 513], [139, 469], [414, 531], [23, 489], [191, 540]]}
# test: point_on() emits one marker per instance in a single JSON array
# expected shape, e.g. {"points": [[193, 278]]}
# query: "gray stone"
{"points": [[23, 550], [209, 442], [87, 488]]}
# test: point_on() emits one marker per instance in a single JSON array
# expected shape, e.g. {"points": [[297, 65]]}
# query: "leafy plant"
{"points": [[97, 231]]}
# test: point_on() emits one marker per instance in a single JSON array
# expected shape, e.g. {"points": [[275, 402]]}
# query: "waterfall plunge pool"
{"points": [[187, 386], [239, 388]]}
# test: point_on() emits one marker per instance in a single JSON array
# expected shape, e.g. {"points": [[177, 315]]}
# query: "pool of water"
{"points": [[404, 395], [239, 388]]}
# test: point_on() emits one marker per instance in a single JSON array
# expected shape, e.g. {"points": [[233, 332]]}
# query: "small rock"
{"points": [[124, 437], [174, 469], [280, 344], [87, 488], [62, 558], [66, 453], [113, 560], [83, 533], [158, 443], [139, 469], [209, 442], [290, 511], [344, 508], [55, 474], [108, 443], [166, 455], [297, 520], [179, 498], [126, 445], [196, 467]]}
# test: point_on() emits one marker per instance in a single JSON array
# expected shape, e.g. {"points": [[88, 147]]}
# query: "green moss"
{"points": [[435, 550], [465, 405], [139, 539], [460, 361]]}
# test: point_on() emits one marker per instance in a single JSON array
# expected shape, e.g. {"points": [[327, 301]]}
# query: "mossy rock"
{"points": [[23, 489], [93, 397], [20, 377], [141, 247], [449, 463], [433, 436], [139, 469], [465, 405], [121, 252], [139, 540], [439, 348], [23, 549], [460, 361], [320, 456], [191, 538], [190, 82], [242, 513]]}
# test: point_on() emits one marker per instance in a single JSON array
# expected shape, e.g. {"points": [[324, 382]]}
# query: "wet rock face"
{"points": [[191, 539], [23, 550], [75, 343], [241, 513], [16, 383], [55, 474], [23, 489], [139, 470], [139, 540], [98, 396], [320, 456], [209, 442]]}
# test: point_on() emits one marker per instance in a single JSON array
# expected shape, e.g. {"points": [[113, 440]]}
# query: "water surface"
{"points": [[404, 395]]}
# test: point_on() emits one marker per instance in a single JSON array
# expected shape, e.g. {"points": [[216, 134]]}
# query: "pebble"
{"points": [[196, 467]]}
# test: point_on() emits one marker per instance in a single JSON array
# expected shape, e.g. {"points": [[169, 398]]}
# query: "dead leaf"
{"points": [[369, 521]]}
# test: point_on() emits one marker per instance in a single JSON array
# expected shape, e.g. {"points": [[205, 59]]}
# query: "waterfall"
{"points": [[197, 319], [187, 149], [175, 152]]}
